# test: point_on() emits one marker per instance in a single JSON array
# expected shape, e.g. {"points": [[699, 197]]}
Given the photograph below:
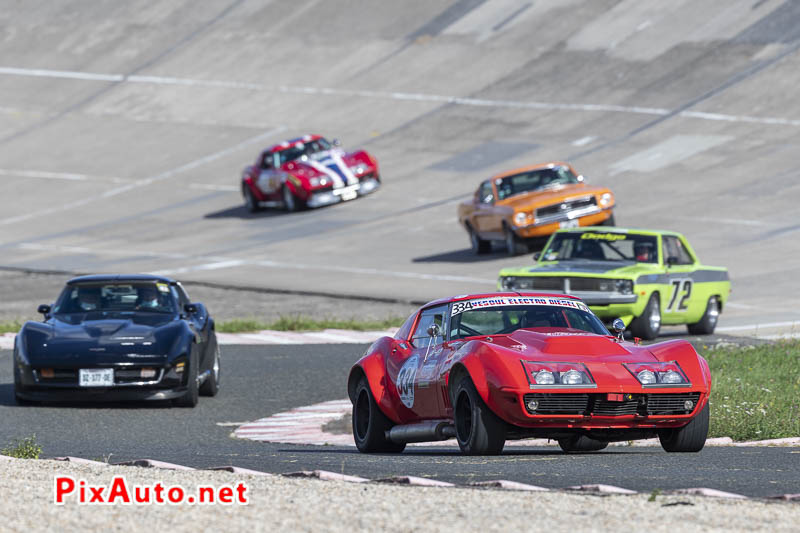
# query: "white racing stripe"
{"points": [[386, 95]]}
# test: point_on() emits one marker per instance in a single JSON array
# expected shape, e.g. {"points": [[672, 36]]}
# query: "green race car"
{"points": [[647, 278]]}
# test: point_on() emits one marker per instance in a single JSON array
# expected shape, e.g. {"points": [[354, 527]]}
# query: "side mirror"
{"points": [[537, 255], [190, 308], [434, 330], [336, 142], [672, 260], [43, 309], [619, 327]]}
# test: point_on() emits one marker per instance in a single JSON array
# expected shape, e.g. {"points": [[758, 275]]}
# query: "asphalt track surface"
{"points": [[259, 381], [124, 128]]}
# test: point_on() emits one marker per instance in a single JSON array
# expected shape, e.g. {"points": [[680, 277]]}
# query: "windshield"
{"points": [[495, 316], [533, 180], [599, 246], [116, 297], [303, 149]]}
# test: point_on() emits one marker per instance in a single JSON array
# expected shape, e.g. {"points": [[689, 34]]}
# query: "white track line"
{"points": [[146, 181], [390, 95]]}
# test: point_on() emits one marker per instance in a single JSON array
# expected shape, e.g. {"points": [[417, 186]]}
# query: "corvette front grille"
{"points": [[599, 404], [671, 404], [558, 404]]}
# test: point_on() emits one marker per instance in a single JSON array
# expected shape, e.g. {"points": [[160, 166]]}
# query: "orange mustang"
{"points": [[532, 202]]}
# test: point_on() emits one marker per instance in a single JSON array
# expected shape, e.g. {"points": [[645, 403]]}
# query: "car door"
{"points": [[269, 178], [484, 215], [680, 267], [416, 380]]}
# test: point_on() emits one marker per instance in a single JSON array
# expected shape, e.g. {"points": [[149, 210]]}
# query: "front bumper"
{"points": [[343, 194], [590, 409], [30, 384], [593, 216]]}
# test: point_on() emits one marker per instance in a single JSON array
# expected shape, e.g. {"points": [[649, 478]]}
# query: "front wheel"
{"points": [[370, 424], [581, 443], [513, 247], [648, 325], [190, 398], [478, 430], [708, 322], [689, 438], [289, 201]]}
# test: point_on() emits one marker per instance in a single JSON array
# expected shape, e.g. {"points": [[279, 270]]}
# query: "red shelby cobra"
{"points": [[308, 172], [487, 368]]}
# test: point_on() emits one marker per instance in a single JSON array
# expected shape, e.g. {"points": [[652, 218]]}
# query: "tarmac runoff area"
{"points": [[325, 501]]}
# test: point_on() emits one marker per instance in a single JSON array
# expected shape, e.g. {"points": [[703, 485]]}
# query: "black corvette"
{"points": [[114, 338]]}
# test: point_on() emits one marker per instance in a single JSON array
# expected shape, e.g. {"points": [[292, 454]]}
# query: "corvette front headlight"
{"points": [[359, 169], [658, 374], [555, 375], [606, 199], [319, 181]]}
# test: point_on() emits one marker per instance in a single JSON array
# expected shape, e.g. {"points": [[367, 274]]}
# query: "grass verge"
{"points": [[755, 391], [11, 326], [304, 323], [26, 448]]}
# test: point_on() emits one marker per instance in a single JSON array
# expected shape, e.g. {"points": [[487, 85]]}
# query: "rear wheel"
{"points": [[478, 430], [370, 424], [211, 385], [648, 324], [581, 443], [478, 245], [708, 323], [689, 438], [250, 201]]}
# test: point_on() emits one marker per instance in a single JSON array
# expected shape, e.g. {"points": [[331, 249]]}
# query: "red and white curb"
{"points": [[498, 484], [326, 336], [304, 425]]}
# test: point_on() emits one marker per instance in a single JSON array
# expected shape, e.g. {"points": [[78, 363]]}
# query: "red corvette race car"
{"points": [[308, 172], [487, 368]]}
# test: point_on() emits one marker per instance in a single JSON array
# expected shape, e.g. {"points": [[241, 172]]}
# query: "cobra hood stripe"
{"points": [[335, 177], [342, 168]]}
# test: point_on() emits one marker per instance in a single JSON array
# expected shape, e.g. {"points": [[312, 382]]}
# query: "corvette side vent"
{"points": [[556, 404], [672, 404]]}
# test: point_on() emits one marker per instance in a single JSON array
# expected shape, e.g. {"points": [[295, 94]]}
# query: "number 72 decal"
{"points": [[679, 287]]}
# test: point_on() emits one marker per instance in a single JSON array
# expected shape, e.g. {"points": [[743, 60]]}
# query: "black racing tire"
{"points": [[708, 322], [581, 443], [191, 397], [609, 221], [290, 203], [370, 424], [478, 430], [479, 246], [210, 386], [513, 246], [689, 438], [250, 202], [648, 324]]}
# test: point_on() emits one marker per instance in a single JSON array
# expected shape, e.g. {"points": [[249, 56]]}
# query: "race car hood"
{"points": [[585, 268], [571, 346], [550, 196], [73, 338], [335, 164]]}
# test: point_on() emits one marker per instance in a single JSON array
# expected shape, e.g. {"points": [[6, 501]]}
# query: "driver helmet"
{"points": [[643, 251], [88, 298], [148, 296]]}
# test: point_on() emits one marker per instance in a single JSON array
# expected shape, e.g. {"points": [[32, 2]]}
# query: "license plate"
{"points": [[96, 377], [569, 224], [347, 193]]}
